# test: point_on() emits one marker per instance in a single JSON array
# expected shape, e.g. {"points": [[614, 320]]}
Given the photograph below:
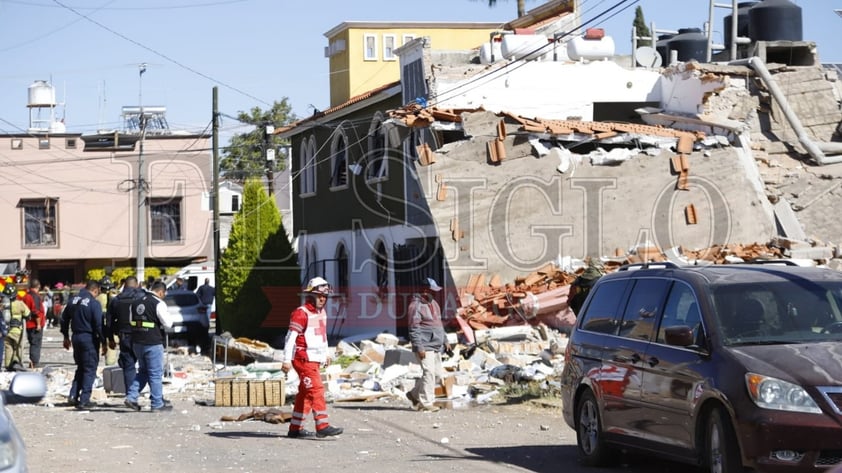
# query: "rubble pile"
{"points": [[541, 296]]}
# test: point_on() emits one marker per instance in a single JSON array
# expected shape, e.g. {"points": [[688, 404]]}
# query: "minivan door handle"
{"points": [[634, 358]]}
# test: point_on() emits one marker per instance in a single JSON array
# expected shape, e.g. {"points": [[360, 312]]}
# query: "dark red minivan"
{"points": [[731, 367]]}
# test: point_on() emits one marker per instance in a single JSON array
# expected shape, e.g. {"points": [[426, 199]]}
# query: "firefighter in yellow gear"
{"points": [[13, 343]]}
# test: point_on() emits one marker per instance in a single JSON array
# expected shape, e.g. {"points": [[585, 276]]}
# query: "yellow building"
{"points": [[362, 54]]}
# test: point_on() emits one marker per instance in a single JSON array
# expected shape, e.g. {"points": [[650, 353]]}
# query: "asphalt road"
{"points": [[380, 436]]}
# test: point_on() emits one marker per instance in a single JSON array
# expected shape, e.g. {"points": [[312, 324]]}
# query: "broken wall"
{"points": [[513, 217]]}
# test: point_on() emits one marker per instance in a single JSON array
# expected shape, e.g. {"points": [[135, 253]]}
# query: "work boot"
{"points": [[301, 434], [330, 431], [416, 403], [132, 404]]}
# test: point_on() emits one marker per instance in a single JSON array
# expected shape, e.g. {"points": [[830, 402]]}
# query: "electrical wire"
{"points": [[162, 55]]}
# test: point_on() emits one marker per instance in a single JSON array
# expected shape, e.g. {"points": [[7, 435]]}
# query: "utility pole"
{"points": [[215, 164], [269, 150], [141, 189]]}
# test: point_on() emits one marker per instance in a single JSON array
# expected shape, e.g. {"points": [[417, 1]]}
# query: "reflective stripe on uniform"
{"points": [[143, 324]]}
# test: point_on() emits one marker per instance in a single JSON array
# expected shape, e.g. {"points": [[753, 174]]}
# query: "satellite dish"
{"points": [[646, 56]]}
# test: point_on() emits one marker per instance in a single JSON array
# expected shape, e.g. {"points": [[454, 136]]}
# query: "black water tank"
{"points": [[775, 20], [662, 47], [742, 22], [690, 43]]}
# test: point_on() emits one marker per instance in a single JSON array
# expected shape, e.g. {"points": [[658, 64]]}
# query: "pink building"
{"points": [[69, 202]]}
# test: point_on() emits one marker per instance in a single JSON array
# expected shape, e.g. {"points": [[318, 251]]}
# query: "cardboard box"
{"points": [[274, 390], [241, 392], [257, 393]]}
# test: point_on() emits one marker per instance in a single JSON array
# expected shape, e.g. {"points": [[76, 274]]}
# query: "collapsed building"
{"points": [[491, 164]]}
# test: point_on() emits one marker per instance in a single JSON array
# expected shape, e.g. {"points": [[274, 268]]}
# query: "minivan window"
{"points": [[779, 312], [644, 306], [681, 309], [602, 312]]}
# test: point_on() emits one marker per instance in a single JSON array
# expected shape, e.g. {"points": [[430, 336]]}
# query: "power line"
{"points": [[162, 55]]}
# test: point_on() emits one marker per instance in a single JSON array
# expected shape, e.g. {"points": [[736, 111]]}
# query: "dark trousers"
{"points": [[127, 359], [34, 337], [86, 356]]}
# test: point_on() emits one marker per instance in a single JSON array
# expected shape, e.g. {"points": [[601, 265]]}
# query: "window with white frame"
{"points": [[407, 38], [308, 166], [339, 161], [370, 47], [165, 214], [40, 217], [389, 47], [378, 150]]}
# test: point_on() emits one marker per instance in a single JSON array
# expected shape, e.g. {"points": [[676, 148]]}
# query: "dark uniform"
{"points": [[148, 345], [120, 323], [83, 316]]}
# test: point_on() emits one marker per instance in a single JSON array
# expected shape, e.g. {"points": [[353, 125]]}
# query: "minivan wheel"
{"points": [[592, 448], [722, 453]]}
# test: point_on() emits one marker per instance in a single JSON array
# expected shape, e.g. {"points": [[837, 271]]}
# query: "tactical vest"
{"points": [[146, 328], [122, 305]]}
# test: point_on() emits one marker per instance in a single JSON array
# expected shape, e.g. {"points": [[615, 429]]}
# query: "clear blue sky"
{"points": [[256, 51]]}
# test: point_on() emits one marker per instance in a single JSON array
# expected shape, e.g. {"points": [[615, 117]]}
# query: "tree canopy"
{"points": [[521, 6], [245, 155], [639, 24], [258, 261]]}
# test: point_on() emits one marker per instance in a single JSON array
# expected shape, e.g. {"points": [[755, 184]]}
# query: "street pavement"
{"points": [[380, 436]]}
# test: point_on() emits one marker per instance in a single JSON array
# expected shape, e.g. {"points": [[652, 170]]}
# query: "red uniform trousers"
{"points": [[311, 396]]}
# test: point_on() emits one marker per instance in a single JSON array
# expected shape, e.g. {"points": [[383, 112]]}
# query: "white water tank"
{"points": [[41, 94], [488, 49], [524, 46], [581, 48]]}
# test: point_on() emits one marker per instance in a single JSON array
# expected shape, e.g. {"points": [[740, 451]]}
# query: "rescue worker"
{"points": [[12, 344], [582, 285], [119, 325], [149, 318], [36, 321], [306, 350], [109, 348], [83, 315], [428, 340]]}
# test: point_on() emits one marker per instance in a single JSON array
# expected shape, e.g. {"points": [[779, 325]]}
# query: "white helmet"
{"points": [[318, 285]]}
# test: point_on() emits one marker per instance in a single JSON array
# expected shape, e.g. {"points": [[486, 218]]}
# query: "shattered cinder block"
{"points": [[387, 340], [398, 356], [345, 348], [814, 253], [372, 351]]}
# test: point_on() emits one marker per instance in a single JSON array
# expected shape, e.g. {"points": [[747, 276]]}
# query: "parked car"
{"points": [[729, 367], [190, 316], [25, 387]]}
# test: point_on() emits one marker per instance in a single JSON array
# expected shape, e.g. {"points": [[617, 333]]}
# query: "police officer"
{"points": [[149, 319], [119, 323], [83, 315]]}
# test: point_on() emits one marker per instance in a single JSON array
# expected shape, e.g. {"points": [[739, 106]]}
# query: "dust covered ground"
{"points": [[380, 436]]}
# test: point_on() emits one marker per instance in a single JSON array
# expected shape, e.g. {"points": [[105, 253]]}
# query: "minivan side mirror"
{"points": [[26, 388], [679, 335]]}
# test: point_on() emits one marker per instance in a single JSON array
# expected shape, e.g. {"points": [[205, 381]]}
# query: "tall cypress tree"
{"points": [[640, 24], [259, 257]]}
